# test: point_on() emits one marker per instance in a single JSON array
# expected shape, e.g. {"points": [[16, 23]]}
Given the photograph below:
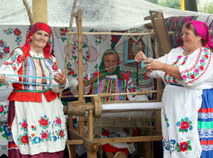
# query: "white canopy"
{"points": [[99, 14]]}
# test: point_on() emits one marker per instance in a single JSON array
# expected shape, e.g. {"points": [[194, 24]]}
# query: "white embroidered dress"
{"points": [[37, 126], [182, 99]]}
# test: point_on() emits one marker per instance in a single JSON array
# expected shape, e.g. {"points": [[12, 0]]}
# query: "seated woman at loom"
{"points": [[111, 80]]}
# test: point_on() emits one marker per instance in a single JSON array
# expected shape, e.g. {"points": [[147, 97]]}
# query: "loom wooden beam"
{"points": [[88, 144], [129, 139], [79, 108], [96, 101], [161, 32]]}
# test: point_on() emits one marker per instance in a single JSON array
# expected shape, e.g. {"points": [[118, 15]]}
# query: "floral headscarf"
{"points": [[203, 31], [102, 68], [34, 28]]}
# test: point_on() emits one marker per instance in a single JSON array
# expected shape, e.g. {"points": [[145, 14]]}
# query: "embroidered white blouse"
{"points": [[195, 69]]}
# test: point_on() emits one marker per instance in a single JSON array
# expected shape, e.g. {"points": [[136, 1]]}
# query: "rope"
{"points": [[112, 67], [29, 76], [38, 84], [28, 83]]}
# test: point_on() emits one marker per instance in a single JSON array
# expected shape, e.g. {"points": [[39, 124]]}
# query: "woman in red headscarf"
{"points": [[35, 119], [187, 101]]}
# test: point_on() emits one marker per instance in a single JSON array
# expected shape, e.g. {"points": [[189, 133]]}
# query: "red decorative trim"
{"points": [[12, 145], [190, 69], [206, 142], [197, 60], [208, 110], [32, 97]]}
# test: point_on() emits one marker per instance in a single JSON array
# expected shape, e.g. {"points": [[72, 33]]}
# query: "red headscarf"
{"points": [[34, 28], [203, 31]]}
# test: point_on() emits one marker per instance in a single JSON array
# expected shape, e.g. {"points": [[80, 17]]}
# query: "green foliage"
{"points": [[153, 1], [170, 3], [208, 8]]}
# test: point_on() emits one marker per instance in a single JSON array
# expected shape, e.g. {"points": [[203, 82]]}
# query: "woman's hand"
{"points": [[153, 65], [140, 56], [2, 78], [60, 78]]}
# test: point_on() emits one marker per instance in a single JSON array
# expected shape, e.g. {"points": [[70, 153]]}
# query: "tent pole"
{"points": [[28, 11], [39, 11]]}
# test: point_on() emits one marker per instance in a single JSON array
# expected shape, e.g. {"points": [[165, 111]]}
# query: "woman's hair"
{"points": [[190, 26], [109, 52], [200, 29]]}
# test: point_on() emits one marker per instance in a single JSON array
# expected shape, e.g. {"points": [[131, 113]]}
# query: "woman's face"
{"points": [[110, 62], [190, 40], [40, 39]]}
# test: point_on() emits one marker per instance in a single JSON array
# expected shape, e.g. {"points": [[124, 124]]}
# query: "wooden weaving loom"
{"points": [[96, 108]]}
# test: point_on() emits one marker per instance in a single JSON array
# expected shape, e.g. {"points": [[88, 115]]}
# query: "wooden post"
{"points": [[39, 11], [80, 68], [90, 154], [80, 57]]}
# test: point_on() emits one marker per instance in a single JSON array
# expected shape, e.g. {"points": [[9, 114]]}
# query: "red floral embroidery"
{"points": [[174, 81], [54, 66], [185, 125], [192, 76], [19, 59], [14, 68], [25, 139], [6, 50], [201, 67], [145, 77], [17, 32], [44, 135], [58, 121], [132, 89], [183, 146], [43, 122], [61, 133], [105, 133], [1, 108], [24, 125]]}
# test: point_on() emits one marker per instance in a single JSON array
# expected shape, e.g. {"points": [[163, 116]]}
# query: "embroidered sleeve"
{"points": [[14, 62], [55, 70], [54, 65], [196, 74], [11, 66]]}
